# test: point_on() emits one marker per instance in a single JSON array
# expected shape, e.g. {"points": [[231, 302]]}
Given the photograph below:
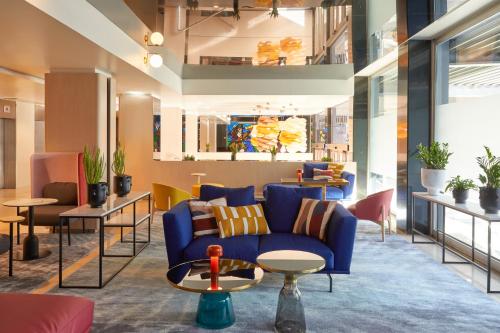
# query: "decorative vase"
{"points": [[489, 199], [273, 157], [122, 185], [233, 156], [434, 180], [97, 194], [460, 196]]}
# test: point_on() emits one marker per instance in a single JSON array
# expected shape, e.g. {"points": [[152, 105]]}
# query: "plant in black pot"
{"points": [[123, 182], [489, 193], [94, 165], [460, 188]]}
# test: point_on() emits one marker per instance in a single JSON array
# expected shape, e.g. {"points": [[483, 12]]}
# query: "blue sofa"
{"points": [[281, 208], [332, 192]]}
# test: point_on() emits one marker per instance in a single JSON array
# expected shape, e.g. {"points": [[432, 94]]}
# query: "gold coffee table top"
{"points": [[29, 202], [291, 262]]}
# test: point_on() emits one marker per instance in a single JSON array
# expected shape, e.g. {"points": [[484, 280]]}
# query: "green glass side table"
{"points": [[293, 264], [215, 307]]}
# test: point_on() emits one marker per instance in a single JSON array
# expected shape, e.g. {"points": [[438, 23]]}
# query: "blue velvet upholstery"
{"points": [[288, 241], [266, 186], [334, 193], [337, 249], [349, 187], [235, 196], [232, 247], [308, 168], [283, 204]]}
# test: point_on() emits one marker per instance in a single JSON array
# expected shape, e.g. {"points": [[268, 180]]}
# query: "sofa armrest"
{"points": [[178, 231], [348, 189], [340, 238]]}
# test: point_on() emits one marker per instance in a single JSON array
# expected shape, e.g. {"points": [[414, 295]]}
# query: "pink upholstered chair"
{"points": [[375, 207]]}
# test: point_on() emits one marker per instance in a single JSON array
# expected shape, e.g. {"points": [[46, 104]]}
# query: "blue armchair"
{"points": [[281, 208]]}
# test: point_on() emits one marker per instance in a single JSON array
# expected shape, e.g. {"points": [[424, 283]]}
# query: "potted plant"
{"points": [[188, 157], [460, 188], [489, 193], [434, 158], [326, 159], [235, 147], [207, 147], [122, 182], [274, 152], [94, 165]]}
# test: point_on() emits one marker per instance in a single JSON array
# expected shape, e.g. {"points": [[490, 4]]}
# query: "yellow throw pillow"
{"points": [[337, 169], [242, 220]]}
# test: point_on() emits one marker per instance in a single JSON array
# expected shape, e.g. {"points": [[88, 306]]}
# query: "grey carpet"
{"points": [[393, 287]]}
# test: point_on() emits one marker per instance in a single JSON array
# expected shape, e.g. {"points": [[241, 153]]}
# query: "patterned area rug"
{"points": [[393, 287]]}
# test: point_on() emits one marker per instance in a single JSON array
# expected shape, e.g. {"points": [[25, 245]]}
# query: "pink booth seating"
{"points": [[376, 207], [30, 313], [58, 167]]}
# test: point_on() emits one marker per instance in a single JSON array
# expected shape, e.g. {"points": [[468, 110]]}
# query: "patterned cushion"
{"points": [[202, 214], [322, 174], [313, 218], [242, 220]]}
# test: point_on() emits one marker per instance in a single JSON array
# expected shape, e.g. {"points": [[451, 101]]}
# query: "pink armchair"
{"points": [[375, 207]]}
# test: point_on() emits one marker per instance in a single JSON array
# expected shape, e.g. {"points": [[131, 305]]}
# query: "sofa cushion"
{"points": [[47, 215], [285, 241], [45, 313], [64, 192], [202, 215], [309, 167], [235, 196], [313, 218], [239, 247], [242, 220], [334, 193], [283, 204]]}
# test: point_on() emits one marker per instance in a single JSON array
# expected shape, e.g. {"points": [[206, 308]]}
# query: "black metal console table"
{"points": [[114, 204], [470, 208]]}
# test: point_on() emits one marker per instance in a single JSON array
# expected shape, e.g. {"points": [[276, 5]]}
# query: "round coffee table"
{"points": [[215, 308], [290, 313], [30, 244]]}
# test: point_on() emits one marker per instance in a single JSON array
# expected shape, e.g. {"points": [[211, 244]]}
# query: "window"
{"points": [[467, 113]]}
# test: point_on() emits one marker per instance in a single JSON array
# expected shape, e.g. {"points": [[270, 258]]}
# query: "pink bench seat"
{"points": [[45, 313]]}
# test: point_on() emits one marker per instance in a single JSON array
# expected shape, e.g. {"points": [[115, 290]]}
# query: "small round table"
{"points": [[198, 175], [290, 313], [215, 307], [30, 244]]}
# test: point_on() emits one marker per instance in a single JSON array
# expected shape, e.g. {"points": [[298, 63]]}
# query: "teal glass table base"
{"points": [[290, 316], [215, 311]]}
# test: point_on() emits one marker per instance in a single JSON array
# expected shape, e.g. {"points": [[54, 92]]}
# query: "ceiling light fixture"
{"points": [[154, 59], [156, 39]]}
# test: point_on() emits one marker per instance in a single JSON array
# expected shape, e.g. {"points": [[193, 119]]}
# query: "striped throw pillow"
{"points": [[313, 218], [202, 215], [242, 220], [319, 174]]}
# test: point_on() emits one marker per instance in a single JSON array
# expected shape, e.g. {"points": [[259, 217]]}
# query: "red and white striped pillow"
{"points": [[323, 174], [313, 218], [202, 216]]}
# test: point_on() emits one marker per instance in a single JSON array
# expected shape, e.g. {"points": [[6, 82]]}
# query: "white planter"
{"points": [[433, 180]]}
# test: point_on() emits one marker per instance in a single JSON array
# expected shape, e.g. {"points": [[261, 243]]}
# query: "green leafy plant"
{"points": [[457, 183], [207, 147], [274, 12], [188, 157], [273, 150], [235, 147], [490, 164], [326, 159], [118, 165], [94, 165], [435, 156]]}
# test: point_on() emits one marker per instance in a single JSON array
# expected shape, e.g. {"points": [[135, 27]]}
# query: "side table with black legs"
{"points": [[31, 249]]}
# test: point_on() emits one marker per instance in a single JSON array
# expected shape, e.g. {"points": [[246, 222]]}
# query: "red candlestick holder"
{"points": [[214, 252], [299, 175]]}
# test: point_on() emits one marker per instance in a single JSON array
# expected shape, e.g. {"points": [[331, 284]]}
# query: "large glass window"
{"points": [[467, 113], [382, 157]]}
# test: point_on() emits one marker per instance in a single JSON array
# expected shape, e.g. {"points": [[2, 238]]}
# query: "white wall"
{"points": [[228, 37], [171, 134], [379, 12], [468, 126], [25, 142]]}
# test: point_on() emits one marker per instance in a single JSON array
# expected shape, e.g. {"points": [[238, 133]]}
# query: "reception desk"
{"points": [[229, 173]]}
